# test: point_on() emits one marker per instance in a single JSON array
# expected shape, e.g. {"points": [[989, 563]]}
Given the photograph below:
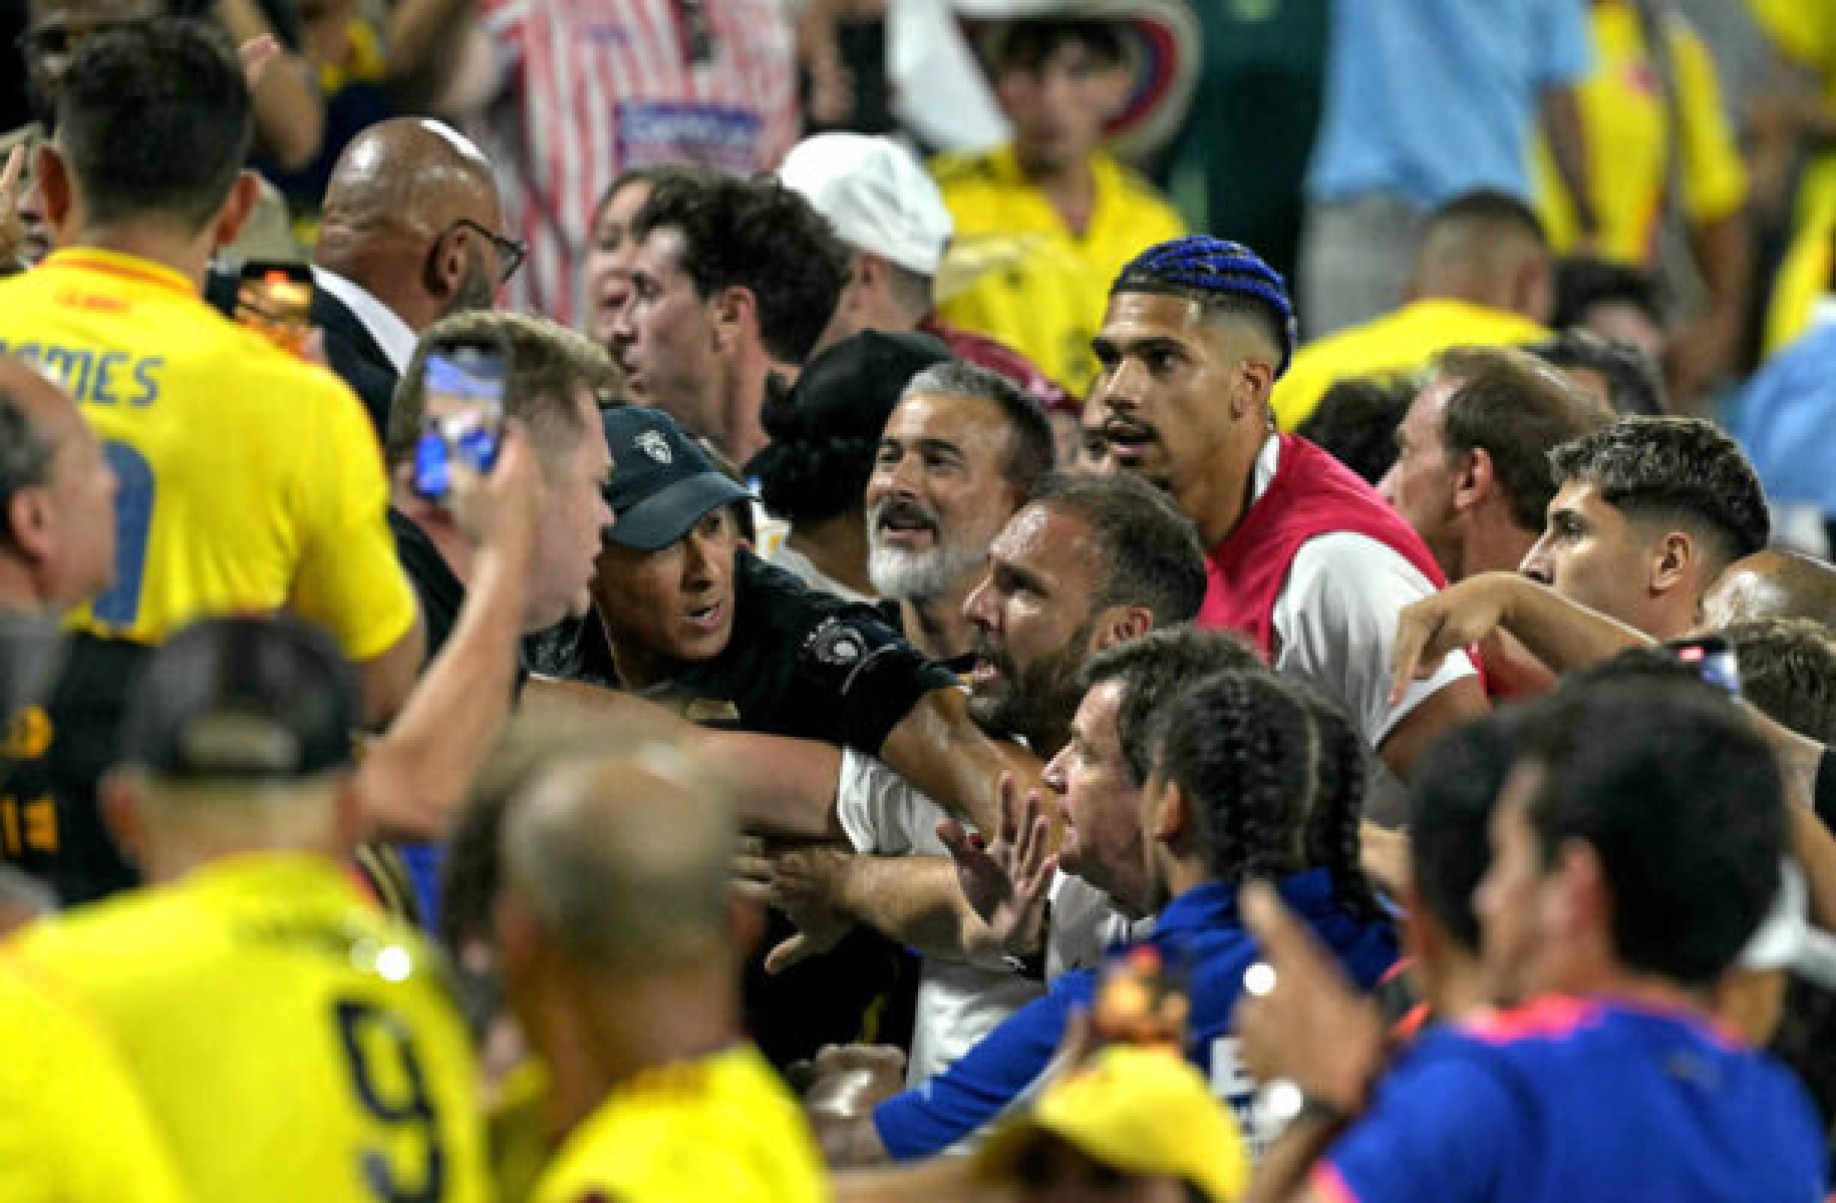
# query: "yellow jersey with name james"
{"points": [[72, 1127], [291, 1043], [249, 480], [719, 1128]]}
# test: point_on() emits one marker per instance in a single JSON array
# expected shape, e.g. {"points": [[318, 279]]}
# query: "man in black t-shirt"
{"points": [[689, 617]]}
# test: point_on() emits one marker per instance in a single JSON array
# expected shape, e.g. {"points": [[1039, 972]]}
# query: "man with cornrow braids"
{"points": [[1304, 558], [1237, 790]]}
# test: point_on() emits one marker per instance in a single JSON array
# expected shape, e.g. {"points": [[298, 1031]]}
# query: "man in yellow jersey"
{"points": [[290, 1042], [1804, 33], [1052, 203], [1658, 136], [1482, 278], [621, 949], [249, 480], [72, 1127]]}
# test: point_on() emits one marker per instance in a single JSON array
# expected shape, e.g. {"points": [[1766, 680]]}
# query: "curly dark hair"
{"points": [[1153, 670], [760, 236], [1682, 470], [1242, 747]]}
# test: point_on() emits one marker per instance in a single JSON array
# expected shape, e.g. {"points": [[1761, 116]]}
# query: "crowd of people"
{"points": [[686, 661]]}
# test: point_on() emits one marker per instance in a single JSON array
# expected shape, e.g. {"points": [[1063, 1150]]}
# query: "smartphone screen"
{"points": [[462, 422], [275, 300], [1713, 659]]}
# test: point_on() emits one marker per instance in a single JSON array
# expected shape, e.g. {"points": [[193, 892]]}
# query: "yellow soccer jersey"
{"points": [[291, 1043], [72, 1127], [1806, 31], [1403, 341], [249, 480], [720, 1129], [1627, 122], [1045, 296]]}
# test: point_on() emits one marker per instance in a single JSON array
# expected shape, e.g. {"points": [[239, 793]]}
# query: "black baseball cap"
{"points": [[255, 698], [662, 482]]}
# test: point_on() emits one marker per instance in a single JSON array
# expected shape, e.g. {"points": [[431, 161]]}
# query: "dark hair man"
{"points": [[732, 283], [1611, 301], [1472, 473], [825, 435], [274, 501], [288, 107], [1305, 559], [1356, 422], [253, 947], [621, 945], [614, 250], [1620, 374], [1087, 564], [959, 454], [887, 209], [1481, 279], [1648, 513], [1635, 851]]}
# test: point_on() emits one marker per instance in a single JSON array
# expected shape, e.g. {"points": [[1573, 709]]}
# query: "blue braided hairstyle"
{"points": [[1218, 275]]}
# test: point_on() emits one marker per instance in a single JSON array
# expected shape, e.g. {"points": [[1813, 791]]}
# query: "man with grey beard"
{"points": [[960, 454]]}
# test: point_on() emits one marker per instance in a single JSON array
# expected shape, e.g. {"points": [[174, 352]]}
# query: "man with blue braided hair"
{"points": [[1305, 559]]}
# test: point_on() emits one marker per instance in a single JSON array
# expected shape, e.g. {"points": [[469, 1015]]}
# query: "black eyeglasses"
{"points": [[510, 253]]}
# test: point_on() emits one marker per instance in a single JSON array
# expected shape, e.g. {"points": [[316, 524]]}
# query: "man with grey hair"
{"points": [[621, 948], [960, 454]]}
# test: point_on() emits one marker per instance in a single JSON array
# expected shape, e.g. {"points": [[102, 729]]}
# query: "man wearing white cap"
{"points": [[888, 211]]}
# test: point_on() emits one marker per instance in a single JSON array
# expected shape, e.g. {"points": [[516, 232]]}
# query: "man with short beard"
{"points": [[961, 452], [1087, 564]]}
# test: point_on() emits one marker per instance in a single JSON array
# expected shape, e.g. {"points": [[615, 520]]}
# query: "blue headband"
{"points": [[1215, 267]]}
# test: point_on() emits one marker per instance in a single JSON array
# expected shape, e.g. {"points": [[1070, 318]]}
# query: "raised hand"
{"points": [[1006, 883]]}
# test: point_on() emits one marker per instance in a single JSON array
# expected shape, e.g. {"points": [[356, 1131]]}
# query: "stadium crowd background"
{"points": [[1075, 599]]}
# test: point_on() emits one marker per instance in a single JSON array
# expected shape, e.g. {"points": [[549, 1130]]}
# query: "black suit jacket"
{"points": [[355, 357], [351, 352]]}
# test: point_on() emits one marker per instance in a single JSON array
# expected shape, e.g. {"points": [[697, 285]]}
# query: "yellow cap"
{"points": [[1143, 1111]]}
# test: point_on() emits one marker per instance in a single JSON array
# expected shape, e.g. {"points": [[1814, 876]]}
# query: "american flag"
{"points": [[593, 87]]}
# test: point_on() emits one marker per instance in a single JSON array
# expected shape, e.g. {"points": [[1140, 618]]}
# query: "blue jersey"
{"points": [[1201, 930], [1570, 1099]]}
